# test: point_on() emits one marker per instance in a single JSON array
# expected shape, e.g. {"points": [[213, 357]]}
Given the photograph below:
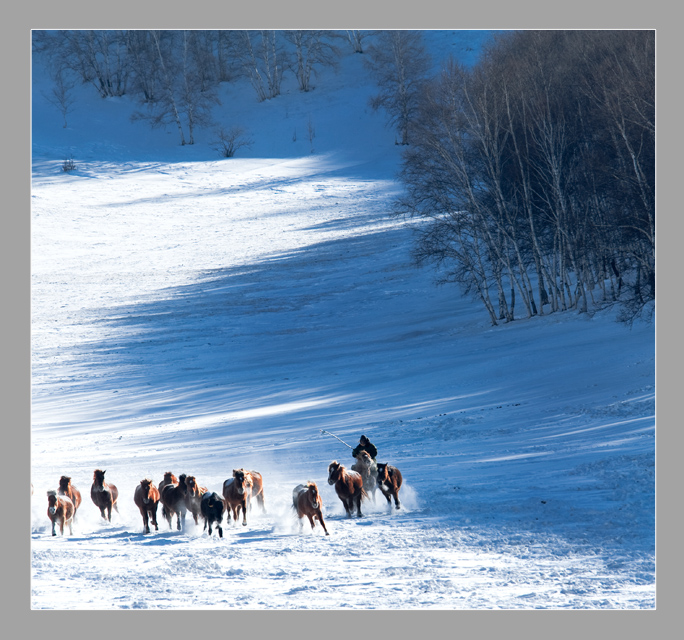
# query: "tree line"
{"points": [[534, 169], [175, 74], [535, 173]]}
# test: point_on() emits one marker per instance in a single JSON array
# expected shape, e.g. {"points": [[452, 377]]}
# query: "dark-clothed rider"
{"points": [[365, 445]]}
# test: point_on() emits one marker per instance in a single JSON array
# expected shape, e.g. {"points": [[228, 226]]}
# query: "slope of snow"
{"points": [[197, 314]]}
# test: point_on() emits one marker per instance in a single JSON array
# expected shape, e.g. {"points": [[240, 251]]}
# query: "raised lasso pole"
{"points": [[334, 436]]}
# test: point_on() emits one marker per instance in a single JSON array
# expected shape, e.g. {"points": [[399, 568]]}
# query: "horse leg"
{"points": [[397, 504], [244, 513], [358, 505], [153, 513], [61, 526], [319, 515], [54, 533], [220, 530], [311, 520], [109, 512], [348, 506]]}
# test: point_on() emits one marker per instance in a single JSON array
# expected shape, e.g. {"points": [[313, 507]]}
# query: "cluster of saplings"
{"points": [[175, 74], [535, 173]]}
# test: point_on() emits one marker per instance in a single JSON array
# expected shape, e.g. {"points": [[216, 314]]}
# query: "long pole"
{"points": [[334, 436]]}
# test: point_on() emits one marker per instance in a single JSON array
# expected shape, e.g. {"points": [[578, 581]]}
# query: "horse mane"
{"points": [[52, 492]]}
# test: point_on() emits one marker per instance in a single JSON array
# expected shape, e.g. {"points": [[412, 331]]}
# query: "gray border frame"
{"points": [[425, 14]]}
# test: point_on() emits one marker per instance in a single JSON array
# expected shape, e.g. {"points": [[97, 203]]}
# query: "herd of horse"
{"points": [[181, 495]]}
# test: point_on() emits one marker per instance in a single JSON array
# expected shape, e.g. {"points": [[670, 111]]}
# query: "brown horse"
{"points": [[60, 511], [366, 466], [172, 497], [146, 498], [193, 497], [389, 480], [348, 486], [104, 495], [307, 502], [68, 489], [237, 492]]}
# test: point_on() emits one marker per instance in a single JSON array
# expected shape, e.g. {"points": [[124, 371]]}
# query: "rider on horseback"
{"points": [[365, 445]]}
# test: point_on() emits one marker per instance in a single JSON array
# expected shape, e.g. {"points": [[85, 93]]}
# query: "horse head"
{"points": [[382, 472], [314, 496], [191, 484], [145, 486], [241, 482], [64, 484], [334, 471], [98, 479], [52, 501]]}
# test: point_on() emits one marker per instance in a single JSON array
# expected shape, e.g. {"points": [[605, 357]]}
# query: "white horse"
{"points": [[368, 469]]}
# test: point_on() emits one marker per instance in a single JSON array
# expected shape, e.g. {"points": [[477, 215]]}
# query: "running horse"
{"points": [[348, 486], [366, 466], [193, 497], [68, 489], [172, 497], [60, 511], [104, 495], [237, 492], [389, 481], [212, 507], [306, 501], [146, 498], [169, 478]]}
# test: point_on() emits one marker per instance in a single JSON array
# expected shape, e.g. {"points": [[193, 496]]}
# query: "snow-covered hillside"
{"points": [[196, 314]]}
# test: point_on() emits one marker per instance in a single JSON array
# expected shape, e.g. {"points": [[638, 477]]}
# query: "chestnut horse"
{"points": [[193, 496], [257, 489], [68, 489], [366, 466], [307, 502], [237, 492], [212, 507], [104, 495], [389, 480], [172, 497], [60, 511], [146, 498], [348, 486]]}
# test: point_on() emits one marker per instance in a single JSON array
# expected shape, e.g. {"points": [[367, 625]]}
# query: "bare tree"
{"points": [[262, 59], [185, 98], [312, 49], [61, 95], [400, 64], [356, 38], [228, 141]]}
